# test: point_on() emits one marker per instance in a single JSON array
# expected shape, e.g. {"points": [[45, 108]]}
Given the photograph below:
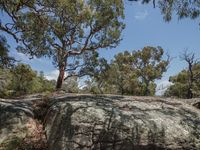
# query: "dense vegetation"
{"points": [[21, 80]]}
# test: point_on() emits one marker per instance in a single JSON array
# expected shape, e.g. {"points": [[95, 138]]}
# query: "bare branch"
{"points": [[74, 68], [9, 32]]}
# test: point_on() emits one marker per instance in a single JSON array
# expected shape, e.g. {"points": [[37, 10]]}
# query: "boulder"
{"points": [[121, 123], [18, 127]]}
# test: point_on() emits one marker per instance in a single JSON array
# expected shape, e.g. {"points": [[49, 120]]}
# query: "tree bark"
{"points": [[60, 77], [190, 82], [147, 91]]}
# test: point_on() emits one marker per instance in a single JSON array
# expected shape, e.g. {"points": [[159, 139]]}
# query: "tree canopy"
{"points": [[62, 29], [150, 65], [186, 84], [181, 8], [131, 73]]}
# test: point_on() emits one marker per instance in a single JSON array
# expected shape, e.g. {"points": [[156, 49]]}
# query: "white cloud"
{"points": [[53, 75], [27, 59], [141, 15], [22, 57], [162, 87]]}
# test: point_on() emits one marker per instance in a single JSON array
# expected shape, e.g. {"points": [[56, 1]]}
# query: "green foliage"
{"points": [[21, 79], [63, 29], [182, 8], [5, 60], [122, 76], [149, 65], [128, 73], [97, 69], [5, 80], [40, 84], [180, 83]]}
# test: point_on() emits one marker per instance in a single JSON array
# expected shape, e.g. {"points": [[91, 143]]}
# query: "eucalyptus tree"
{"points": [[182, 86], [63, 29], [191, 61], [150, 65]]}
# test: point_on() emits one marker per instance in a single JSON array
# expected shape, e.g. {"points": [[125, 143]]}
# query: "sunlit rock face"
{"points": [[121, 123]]}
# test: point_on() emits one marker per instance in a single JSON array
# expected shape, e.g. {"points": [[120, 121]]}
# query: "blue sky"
{"points": [[144, 27]]}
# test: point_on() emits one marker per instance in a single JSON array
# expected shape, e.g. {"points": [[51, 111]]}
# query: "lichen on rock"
{"points": [[116, 122], [99, 122]]}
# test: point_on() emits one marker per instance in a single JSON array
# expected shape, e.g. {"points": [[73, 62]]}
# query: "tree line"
{"points": [[135, 73], [128, 73]]}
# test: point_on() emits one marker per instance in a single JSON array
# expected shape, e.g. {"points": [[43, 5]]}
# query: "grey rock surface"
{"points": [[194, 102], [19, 129], [14, 116], [121, 123], [101, 122]]}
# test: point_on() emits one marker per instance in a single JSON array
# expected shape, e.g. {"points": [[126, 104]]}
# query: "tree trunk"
{"points": [[60, 77], [190, 82], [189, 94], [147, 91]]}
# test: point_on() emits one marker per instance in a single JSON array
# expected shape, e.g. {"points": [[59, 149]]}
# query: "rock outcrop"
{"points": [[121, 123], [73, 122], [19, 129]]}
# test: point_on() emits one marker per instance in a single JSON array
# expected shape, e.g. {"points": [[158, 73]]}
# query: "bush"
{"points": [[21, 80]]}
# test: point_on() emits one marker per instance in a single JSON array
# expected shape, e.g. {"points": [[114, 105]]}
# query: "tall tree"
{"points": [[63, 29], [150, 65], [191, 61], [181, 88]]}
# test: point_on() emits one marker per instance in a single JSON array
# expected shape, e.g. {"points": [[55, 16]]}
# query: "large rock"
{"points": [[99, 122], [13, 118], [19, 130], [121, 123]]}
